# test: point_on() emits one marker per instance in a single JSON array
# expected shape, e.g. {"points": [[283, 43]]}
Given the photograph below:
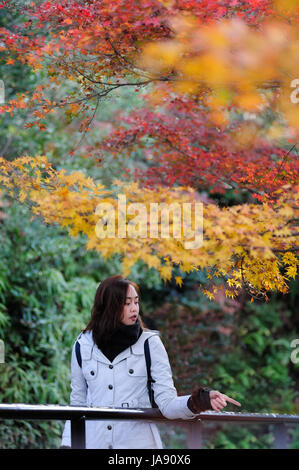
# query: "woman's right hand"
{"points": [[218, 400]]}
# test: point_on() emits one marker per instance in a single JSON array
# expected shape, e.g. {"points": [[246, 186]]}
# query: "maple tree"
{"points": [[203, 62], [184, 147], [256, 233], [98, 46]]}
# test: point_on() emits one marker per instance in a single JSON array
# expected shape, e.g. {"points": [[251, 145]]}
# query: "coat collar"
{"points": [[138, 347], [99, 356], [89, 348]]}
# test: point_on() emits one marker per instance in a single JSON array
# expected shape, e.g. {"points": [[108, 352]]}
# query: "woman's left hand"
{"points": [[218, 400]]}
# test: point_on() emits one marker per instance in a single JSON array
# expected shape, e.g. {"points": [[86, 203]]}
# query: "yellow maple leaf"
{"points": [[209, 294], [229, 294], [179, 280], [291, 271]]}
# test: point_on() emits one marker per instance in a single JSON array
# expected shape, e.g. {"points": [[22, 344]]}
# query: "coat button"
{"points": [[131, 371], [92, 372], [110, 387], [110, 366], [109, 427]]}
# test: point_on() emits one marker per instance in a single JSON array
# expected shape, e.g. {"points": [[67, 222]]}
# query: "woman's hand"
{"points": [[218, 400]]}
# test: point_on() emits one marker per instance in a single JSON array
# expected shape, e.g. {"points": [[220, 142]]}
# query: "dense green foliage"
{"points": [[45, 301]]}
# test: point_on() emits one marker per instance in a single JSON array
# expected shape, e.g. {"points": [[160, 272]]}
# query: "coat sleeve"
{"points": [[78, 396], [170, 404]]}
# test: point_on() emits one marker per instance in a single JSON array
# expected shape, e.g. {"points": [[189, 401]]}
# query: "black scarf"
{"points": [[123, 337]]}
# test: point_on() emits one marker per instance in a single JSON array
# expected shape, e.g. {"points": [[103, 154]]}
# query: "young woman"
{"points": [[113, 373]]}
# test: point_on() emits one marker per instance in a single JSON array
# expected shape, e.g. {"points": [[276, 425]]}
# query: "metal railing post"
{"points": [[194, 439], [281, 436], [78, 433]]}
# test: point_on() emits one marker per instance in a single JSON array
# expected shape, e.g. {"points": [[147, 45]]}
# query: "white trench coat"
{"points": [[123, 383]]}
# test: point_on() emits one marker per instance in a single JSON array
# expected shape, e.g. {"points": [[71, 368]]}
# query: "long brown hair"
{"points": [[108, 306]]}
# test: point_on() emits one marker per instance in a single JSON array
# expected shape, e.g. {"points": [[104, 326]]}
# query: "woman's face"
{"points": [[131, 308]]}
